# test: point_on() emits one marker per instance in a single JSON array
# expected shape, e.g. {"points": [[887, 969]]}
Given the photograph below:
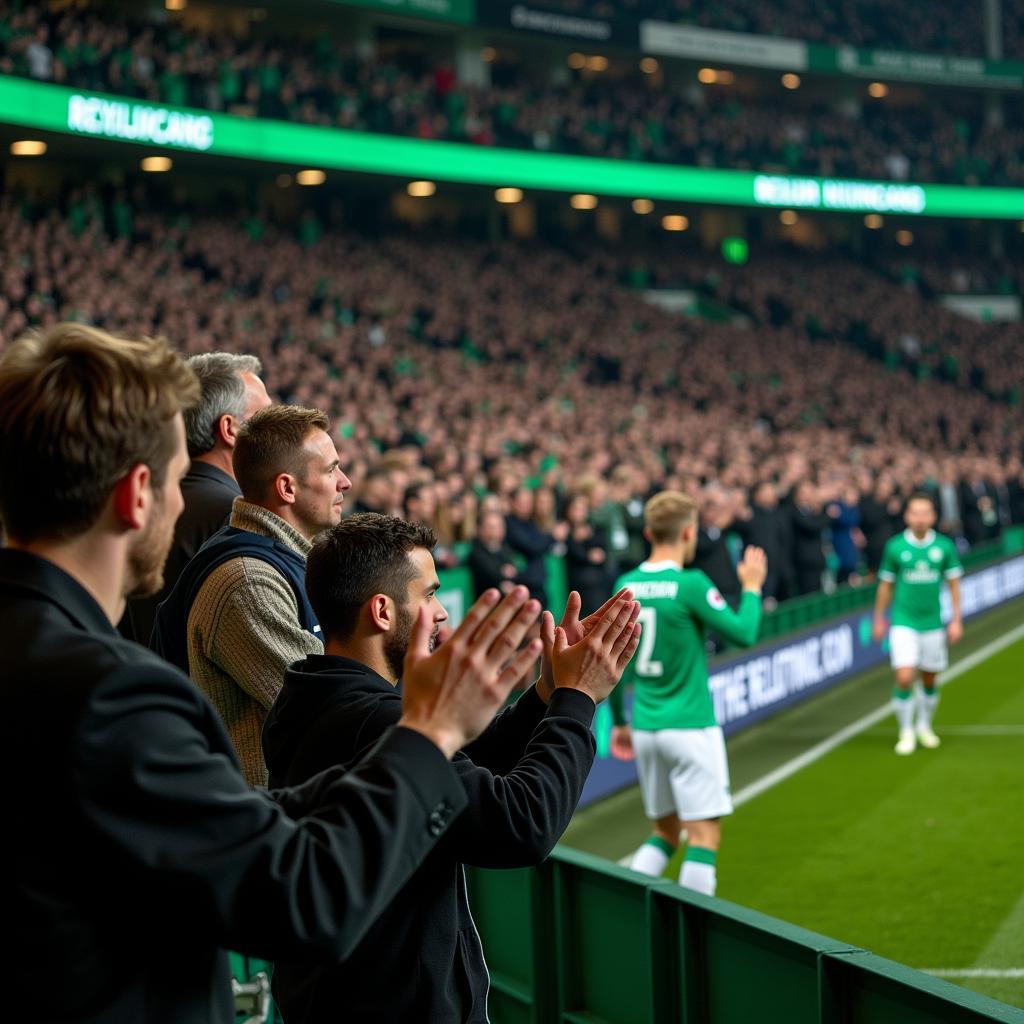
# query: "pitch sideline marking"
{"points": [[973, 972], [826, 746]]}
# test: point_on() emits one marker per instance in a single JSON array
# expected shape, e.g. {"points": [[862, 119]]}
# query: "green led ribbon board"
{"points": [[56, 108]]}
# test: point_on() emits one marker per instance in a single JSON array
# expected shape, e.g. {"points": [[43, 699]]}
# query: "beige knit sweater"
{"points": [[243, 632]]}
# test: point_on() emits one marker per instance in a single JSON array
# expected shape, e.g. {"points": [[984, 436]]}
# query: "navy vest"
{"points": [[169, 638]]}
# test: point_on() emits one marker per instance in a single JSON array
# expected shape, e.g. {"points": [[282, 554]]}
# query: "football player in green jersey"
{"points": [[678, 745], [914, 566]]}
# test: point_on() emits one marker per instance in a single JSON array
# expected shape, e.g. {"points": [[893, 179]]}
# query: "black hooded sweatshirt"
{"points": [[422, 960]]}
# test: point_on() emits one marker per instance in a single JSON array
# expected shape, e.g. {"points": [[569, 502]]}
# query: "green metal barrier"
{"points": [[582, 941]]}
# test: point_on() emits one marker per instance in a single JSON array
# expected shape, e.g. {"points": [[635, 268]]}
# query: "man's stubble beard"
{"points": [[148, 555], [396, 644]]}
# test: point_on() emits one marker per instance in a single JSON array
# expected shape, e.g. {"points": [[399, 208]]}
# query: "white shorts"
{"points": [[909, 648], [683, 771]]}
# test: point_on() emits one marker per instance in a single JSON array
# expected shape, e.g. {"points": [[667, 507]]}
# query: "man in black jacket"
{"points": [[767, 526], [135, 853], [809, 526], [491, 560], [230, 393], [526, 537], [368, 578]]}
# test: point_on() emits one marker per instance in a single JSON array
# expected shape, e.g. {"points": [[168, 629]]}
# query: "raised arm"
{"points": [[705, 602]]}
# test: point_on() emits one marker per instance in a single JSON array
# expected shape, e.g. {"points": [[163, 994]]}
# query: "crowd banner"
{"points": [[934, 68], [711, 46], [753, 685], [537, 19]]}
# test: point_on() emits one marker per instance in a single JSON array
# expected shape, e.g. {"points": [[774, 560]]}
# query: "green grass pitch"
{"points": [[919, 859]]}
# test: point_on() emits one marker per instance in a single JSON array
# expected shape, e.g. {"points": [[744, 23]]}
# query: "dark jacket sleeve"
{"points": [[502, 743], [306, 873], [514, 819]]}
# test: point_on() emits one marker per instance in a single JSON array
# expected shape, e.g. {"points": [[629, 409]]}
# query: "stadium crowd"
{"points": [[322, 81], [922, 27], [522, 387]]}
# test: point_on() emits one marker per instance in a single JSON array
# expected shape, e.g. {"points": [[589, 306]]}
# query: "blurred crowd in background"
{"points": [[642, 117], [523, 400], [923, 26]]}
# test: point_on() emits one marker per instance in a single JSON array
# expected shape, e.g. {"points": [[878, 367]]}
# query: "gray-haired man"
{"points": [[231, 393]]}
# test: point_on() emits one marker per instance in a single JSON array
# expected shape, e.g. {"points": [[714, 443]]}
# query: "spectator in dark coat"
{"points": [[712, 555], [491, 561], [586, 557], [877, 522], [768, 526], [526, 537], [808, 526], [978, 505], [847, 538], [231, 393]]}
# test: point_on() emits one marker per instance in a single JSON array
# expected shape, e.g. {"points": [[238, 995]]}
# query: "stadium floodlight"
{"points": [[878, 90], [874, 221], [790, 81], [788, 217], [643, 206], [576, 61], [905, 237], [583, 201], [311, 177], [421, 189], [708, 76], [649, 65], [597, 63], [175, 5], [28, 147], [675, 222], [157, 164], [508, 195]]}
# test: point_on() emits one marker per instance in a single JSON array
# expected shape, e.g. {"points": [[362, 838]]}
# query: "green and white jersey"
{"points": [[669, 671], [917, 568]]}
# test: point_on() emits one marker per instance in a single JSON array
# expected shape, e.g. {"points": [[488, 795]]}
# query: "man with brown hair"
{"points": [[135, 843], [238, 615], [679, 747]]}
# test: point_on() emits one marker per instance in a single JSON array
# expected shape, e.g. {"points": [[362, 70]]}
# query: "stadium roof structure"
{"points": [[55, 108]]}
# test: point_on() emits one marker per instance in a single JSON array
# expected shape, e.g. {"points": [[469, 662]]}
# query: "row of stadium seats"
{"points": [[322, 81]]}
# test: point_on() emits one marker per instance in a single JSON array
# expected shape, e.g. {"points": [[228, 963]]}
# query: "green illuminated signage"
{"points": [[57, 109], [136, 122], [735, 250]]}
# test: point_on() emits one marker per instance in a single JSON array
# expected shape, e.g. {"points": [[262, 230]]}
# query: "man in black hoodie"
{"points": [[368, 579]]}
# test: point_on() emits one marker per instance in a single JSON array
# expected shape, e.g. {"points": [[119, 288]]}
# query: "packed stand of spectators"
{"points": [[921, 26], [519, 396], [321, 81], [887, 313], [958, 273]]}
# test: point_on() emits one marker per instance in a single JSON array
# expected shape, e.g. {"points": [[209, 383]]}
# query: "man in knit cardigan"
{"points": [[238, 616]]}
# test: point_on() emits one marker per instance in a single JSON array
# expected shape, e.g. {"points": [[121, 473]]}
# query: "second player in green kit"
{"points": [[916, 564]]}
